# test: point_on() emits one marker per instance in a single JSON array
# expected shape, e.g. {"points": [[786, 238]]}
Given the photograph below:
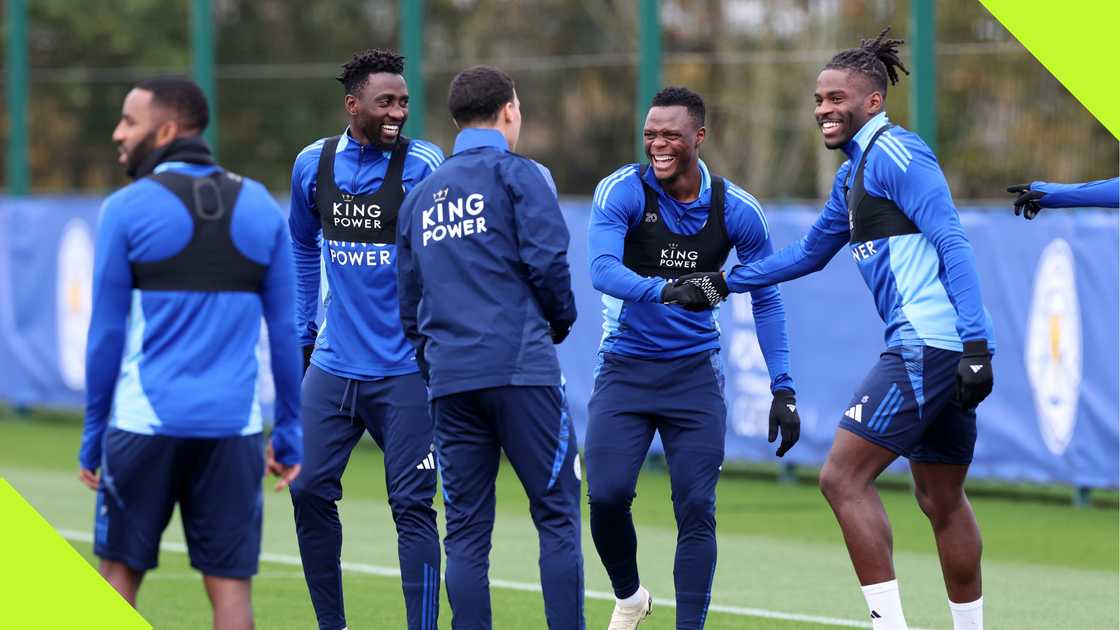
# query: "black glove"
{"points": [[711, 283], [783, 413], [974, 374], [422, 363], [307, 350], [687, 295], [1027, 201], [559, 331]]}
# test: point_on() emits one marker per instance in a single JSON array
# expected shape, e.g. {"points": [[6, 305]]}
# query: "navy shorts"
{"points": [[907, 404], [215, 481]]}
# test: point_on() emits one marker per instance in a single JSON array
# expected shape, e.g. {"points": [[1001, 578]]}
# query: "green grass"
{"points": [[1045, 565]]}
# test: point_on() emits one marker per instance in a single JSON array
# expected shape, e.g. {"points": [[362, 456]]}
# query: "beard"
{"points": [[372, 132], [139, 153]]}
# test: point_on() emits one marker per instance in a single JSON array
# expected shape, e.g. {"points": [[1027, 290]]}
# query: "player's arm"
{"points": [[425, 158], [112, 296], [1103, 193], [618, 205], [748, 229], [278, 299], [919, 189], [825, 237], [305, 228], [542, 242], [409, 283]]}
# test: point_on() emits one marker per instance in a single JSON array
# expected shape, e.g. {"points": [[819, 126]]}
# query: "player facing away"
{"points": [[891, 205], [188, 258], [1033, 197], [363, 375], [659, 367], [485, 292]]}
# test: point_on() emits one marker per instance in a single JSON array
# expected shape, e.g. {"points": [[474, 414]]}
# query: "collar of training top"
{"points": [[863, 136], [475, 137], [192, 150], [348, 141], [705, 186]]}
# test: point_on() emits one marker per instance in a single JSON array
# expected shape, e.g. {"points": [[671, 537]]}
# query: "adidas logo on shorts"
{"points": [[428, 463], [855, 413]]}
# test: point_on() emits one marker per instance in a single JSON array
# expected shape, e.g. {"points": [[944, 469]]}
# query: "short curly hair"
{"points": [[356, 72], [676, 95], [477, 95]]}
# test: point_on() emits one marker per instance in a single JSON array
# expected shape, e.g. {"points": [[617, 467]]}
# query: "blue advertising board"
{"points": [[1052, 286]]}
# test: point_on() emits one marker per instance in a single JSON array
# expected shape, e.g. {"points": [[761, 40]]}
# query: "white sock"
{"points": [[633, 600], [968, 616], [885, 605]]}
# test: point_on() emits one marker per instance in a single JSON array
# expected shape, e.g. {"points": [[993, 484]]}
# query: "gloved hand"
{"points": [[559, 331], [422, 363], [712, 283], [783, 413], [687, 295], [307, 350], [974, 374], [1027, 201]]}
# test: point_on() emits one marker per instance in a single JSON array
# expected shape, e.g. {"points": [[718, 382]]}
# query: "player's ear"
{"points": [[701, 133], [167, 131], [874, 102], [351, 104]]}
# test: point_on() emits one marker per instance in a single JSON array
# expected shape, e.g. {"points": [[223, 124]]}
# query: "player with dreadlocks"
{"points": [[363, 374], [891, 205]]}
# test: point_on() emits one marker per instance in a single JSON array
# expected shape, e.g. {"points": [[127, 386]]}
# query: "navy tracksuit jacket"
{"points": [[482, 278]]}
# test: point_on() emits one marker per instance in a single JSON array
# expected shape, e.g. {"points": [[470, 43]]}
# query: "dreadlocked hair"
{"points": [[372, 61], [877, 59]]}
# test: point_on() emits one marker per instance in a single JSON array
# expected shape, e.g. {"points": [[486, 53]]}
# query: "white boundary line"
{"points": [[369, 569]]}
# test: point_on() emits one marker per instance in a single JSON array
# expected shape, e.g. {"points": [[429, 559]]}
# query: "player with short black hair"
{"points": [[361, 373], [485, 293], [478, 94], [188, 258], [659, 367], [891, 205]]}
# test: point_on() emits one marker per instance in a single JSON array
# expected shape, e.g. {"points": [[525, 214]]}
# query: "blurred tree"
{"points": [[1002, 117]]}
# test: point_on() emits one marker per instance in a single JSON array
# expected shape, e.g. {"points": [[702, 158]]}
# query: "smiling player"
{"points": [[891, 205], [363, 376], [659, 365]]}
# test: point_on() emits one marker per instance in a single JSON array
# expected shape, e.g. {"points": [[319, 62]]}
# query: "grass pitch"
{"points": [[781, 558]]}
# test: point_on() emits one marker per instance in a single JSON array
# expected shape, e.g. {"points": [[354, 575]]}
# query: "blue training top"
{"points": [[361, 336], [483, 269], [1102, 193], [184, 363], [635, 322], [925, 284]]}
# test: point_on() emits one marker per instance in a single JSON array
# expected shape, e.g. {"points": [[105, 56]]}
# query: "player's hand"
{"points": [[783, 414], [91, 478], [286, 473], [712, 284], [686, 295], [559, 331], [307, 350], [1027, 201], [974, 374]]}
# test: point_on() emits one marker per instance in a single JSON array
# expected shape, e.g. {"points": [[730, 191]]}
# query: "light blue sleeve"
{"points": [[426, 158], [306, 230], [618, 204], [112, 296], [278, 298], [825, 237], [748, 230], [1103, 193], [911, 177]]}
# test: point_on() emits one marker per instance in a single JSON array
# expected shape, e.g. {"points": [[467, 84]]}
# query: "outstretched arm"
{"points": [[826, 236]]}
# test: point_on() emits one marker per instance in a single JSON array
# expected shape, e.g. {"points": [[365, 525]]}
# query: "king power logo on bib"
{"points": [[1053, 349]]}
